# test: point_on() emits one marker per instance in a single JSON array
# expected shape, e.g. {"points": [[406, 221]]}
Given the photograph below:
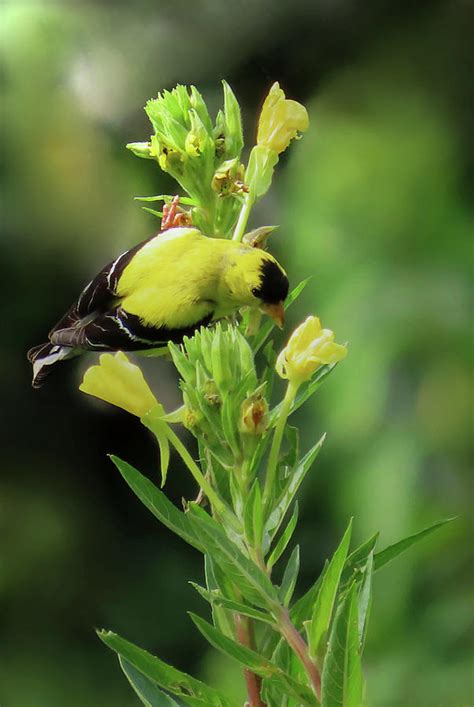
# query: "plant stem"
{"points": [[214, 499], [298, 644], [243, 218], [286, 404], [253, 682]]}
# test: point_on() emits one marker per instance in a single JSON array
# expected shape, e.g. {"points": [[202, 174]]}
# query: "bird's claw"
{"points": [[174, 216]]}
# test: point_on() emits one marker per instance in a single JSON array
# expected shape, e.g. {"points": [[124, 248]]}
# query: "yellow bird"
{"points": [[161, 290]]}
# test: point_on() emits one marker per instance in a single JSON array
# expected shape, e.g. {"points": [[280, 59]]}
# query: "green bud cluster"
{"points": [[203, 157], [225, 406]]}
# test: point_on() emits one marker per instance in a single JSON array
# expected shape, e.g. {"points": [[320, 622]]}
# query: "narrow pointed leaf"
{"points": [[153, 212], [357, 560], [302, 609], [234, 140], [221, 618], [392, 551], [165, 197], [342, 670], [253, 515], [169, 678], [215, 597], [247, 657], [290, 576], [252, 660], [148, 691], [156, 501], [323, 607], [284, 539], [365, 599], [291, 488], [251, 580]]}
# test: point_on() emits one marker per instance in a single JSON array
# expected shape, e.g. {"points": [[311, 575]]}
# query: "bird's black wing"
{"points": [[117, 329], [97, 297]]}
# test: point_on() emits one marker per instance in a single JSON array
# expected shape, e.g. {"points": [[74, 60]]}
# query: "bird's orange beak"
{"points": [[275, 312]]}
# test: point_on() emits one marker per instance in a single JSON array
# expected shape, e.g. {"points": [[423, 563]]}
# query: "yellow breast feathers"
{"points": [[172, 280]]}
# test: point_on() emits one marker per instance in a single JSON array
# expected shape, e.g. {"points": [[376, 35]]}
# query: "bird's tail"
{"points": [[44, 356]]}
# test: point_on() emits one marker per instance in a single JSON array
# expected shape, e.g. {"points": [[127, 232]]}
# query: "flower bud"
{"points": [[309, 347], [191, 418], [254, 415], [280, 120], [141, 149], [211, 393], [192, 145], [228, 178], [119, 382]]}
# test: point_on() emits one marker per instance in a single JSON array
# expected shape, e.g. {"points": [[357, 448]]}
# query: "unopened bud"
{"points": [[191, 418], [254, 415]]}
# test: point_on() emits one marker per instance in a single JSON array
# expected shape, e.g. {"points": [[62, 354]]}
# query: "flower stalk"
{"points": [[272, 466], [244, 214]]}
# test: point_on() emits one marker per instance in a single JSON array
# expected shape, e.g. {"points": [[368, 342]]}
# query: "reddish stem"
{"points": [[253, 682], [297, 642]]}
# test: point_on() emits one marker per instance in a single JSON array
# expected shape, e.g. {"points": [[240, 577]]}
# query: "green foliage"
{"points": [[324, 604], [294, 653], [342, 672]]}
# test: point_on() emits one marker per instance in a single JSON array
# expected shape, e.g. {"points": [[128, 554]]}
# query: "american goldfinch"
{"points": [[161, 290]]}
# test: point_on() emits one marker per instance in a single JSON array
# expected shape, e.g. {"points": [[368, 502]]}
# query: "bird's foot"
{"points": [[174, 216]]}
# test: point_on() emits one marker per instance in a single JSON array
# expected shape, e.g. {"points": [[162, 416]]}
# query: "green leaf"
{"points": [[175, 681], [302, 610], [284, 539], [342, 670], [323, 607], [357, 560], [234, 140], [290, 576], [153, 212], [156, 501], [240, 570], [392, 551], [291, 488], [251, 659], [292, 444], [167, 198], [265, 330], [229, 426], [365, 599], [283, 690], [253, 515], [215, 597], [148, 692], [221, 618], [290, 664]]}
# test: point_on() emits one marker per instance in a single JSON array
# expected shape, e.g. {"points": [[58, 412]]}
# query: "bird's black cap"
{"points": [[274, 283]]}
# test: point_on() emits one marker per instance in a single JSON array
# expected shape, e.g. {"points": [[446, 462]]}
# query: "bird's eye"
{"points": [[255, 291]]}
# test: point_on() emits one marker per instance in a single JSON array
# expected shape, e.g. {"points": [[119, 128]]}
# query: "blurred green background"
{"points": [[373, 204]]}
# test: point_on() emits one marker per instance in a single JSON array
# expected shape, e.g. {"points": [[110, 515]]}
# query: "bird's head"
{"points": [[254, 278]]}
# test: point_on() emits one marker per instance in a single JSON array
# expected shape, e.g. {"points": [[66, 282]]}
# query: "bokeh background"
{"points": [[373, 204]]}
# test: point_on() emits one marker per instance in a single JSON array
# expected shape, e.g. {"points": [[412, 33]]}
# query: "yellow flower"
{"points": [[309, 347], [119, 382], [280, 120]]}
